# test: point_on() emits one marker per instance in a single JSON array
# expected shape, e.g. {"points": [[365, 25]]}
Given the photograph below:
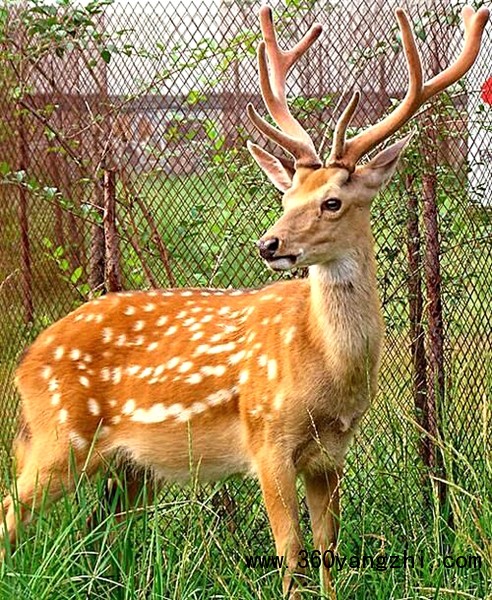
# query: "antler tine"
{"points": [[418, 93], [474, 25], [292, 137], [338, 147]]}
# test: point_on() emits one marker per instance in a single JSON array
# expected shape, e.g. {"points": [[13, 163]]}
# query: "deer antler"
{"points": [[346, 153], [291, 136]]}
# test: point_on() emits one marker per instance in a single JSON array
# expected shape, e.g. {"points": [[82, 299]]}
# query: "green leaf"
{"points": [[76, 275], [106, 55]]}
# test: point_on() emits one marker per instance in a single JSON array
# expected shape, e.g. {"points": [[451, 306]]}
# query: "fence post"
{"points": [[98, 247], [432, 269], [112, 254], [417, 332], [24, 221]]}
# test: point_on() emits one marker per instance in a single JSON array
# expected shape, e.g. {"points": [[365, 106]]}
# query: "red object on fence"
{"points": [[486, 91]]}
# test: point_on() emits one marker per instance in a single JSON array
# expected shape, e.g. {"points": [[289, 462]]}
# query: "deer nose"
{"points": [[268, 247]]}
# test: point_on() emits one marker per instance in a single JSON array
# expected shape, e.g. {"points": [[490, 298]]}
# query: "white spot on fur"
{"points": [[186, 293], [237, 357], [278, 401], [217, 370], [59, 352], [265, 321], [262, 360], [77, 441], [289, 335], [196, 309], [53, 384], [224, 310], [195, 326], [243, 376], [46, 372], [75, 354], [139, 340], [63, 415], [151, 347], [206, 319], [130, 310], [189, 321], [272, 369], [251, 337], [172, 330], [222, 348], [173, 362], [146, 372], [175, 409], [186, 366], [155, 414], [87, 358], [159, 370], [116, 375], [149, 307], [107, 335], [128, 407], [99, 318], [121, 340], [112, 403], [138, 326], [196, 336], [219, 397], [116, 419], [93, 406], [202, 348], [277, 318], [84, 381], [162, 320], [55, 399], [105, 374], [237, 293], [194, 378]]}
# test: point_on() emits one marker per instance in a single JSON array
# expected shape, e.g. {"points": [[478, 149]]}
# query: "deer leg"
{"points": [[44, 478], [278, 485], [322, 495], [121, 493]]}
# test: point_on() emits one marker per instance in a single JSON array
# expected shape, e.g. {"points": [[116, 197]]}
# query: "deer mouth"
{"points": [[282, 263]]}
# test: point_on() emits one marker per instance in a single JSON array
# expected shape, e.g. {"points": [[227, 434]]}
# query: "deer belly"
{"points": [[187, 451]]}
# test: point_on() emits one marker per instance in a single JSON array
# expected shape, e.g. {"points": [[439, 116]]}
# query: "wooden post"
{"points": [[112, 262]]}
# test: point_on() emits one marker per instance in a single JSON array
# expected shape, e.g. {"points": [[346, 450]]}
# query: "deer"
{"points": [[269, 382]]}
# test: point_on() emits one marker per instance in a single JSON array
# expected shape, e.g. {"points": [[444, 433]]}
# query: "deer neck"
{"points": [[345, 317]]}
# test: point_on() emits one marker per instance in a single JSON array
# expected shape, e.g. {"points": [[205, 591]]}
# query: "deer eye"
{"points": [[331, 205]]}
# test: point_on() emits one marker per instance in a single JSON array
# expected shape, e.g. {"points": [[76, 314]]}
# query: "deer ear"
{"points": [[381, 168], [277, 171]]}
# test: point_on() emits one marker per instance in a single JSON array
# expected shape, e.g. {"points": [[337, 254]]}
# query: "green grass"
{"points": [[185, 547]]}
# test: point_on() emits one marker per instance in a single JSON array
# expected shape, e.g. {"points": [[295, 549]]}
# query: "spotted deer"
{"points": [[270, 382]]}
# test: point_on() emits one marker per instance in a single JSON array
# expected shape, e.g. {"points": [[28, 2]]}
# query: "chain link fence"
{"points": [[123, 166]]}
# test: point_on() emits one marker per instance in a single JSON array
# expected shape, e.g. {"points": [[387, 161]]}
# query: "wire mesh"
{"points": [[155, 93]]}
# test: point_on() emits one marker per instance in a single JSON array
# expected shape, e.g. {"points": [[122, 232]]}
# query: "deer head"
{"points": [[326, 204]]}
